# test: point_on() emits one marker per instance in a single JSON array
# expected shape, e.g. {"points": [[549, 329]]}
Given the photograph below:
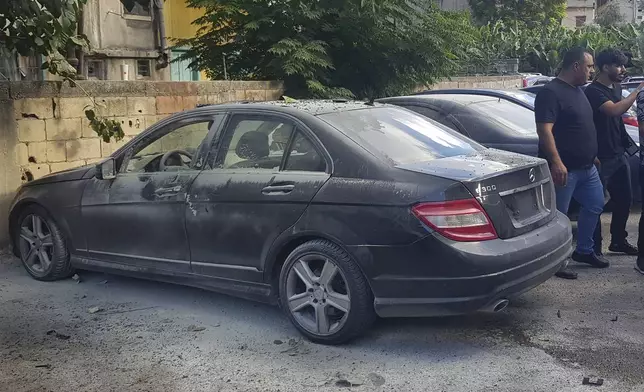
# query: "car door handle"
{"points": [[168, 191], [278, 189]]}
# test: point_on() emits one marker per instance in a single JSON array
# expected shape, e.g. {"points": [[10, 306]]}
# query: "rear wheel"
{"points": [[325, 294], [41, 245]]}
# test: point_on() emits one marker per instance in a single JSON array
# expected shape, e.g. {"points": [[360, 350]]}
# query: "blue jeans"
{"points": [[586, 187]]}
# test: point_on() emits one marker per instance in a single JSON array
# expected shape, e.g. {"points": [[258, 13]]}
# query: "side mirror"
{"points": [[106, 170]]}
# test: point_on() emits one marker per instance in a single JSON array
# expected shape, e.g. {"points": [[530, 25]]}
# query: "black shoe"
{"points": [[624, 247], [566, 273], [592, 259], [639, 267]]}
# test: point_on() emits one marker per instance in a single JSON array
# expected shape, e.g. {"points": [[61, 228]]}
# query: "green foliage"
{"points": [[49, 28], [335, 48], [105, 128], [609, 15], [530, 12], [541, 48]]}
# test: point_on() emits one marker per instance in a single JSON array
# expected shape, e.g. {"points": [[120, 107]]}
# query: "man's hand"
{"points": [[597, 162], [559, 173]]}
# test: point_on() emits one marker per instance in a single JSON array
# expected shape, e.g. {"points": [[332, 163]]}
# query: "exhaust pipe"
{"points": [[497, 306]]}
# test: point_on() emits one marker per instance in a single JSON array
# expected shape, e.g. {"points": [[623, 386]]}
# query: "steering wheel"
{"points": [[164, 158]]}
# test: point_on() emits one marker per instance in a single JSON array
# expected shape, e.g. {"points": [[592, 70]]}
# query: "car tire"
{"points": [[41, 245], [330, 302]]}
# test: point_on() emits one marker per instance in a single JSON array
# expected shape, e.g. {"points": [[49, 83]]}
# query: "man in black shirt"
{"points": [[604, 95], [568, 140]]}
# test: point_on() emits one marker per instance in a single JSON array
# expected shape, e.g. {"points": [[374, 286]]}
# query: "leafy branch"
{"points": [[49, 28]]}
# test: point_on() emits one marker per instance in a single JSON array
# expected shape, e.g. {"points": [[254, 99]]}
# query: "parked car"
{"points": [[630, 117], [338, 211], [501, 119]]}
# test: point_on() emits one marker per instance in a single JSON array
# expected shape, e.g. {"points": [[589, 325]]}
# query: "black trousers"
{"points": [[640, 239], [616, 177]]}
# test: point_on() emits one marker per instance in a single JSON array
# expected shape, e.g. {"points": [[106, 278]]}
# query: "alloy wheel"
{"points": [[318, 296], [36, 244]]}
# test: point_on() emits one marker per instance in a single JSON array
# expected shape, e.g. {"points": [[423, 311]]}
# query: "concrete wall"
{"points": [[570, 20], [43, 128], [453, 5], [494, 82]]}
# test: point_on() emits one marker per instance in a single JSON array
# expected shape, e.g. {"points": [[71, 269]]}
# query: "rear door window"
{"points": [[401, 135]]}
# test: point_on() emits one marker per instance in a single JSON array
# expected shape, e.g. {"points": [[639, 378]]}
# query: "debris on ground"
{"points": [[76, 278], [592, 380], [243, 347], [376, 379], [46, 366], [296, 348], [57, 334], [559, 313], [194, 328], [94, 309], [343, 381], [103, 281], [277, 342], [614, 318]]}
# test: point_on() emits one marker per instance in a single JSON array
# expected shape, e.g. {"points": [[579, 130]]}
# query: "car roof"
{"points": [[510, 95], [312, 107]]}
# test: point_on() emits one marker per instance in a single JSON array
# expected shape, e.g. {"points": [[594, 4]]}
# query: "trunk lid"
{"points": [[515, 190]]}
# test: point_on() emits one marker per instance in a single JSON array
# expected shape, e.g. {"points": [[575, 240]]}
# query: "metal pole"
{"points": [[225, 71]]}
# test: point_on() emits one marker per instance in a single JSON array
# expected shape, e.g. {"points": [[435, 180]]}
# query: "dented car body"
{"points": [[400, 213]]}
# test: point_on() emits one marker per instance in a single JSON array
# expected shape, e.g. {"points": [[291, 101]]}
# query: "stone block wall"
{"points": [[494, 82], [43, 128], [54, 135]]}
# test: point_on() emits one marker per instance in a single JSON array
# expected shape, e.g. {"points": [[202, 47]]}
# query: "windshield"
{"points": [[512, 117], [400, 135]]}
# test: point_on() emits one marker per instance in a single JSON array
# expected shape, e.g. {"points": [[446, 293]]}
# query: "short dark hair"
{"points": [[573, 55], [610, 57]]}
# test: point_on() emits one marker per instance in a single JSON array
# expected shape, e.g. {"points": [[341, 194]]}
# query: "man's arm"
{"points": [[613, 109], [558, 170]]}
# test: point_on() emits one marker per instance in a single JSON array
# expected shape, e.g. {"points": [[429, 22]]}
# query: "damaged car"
{"points": [[337, 211]]}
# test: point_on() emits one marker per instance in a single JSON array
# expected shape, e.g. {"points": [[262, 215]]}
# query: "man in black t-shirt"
{"points": [[568, 140], [604, 95]]}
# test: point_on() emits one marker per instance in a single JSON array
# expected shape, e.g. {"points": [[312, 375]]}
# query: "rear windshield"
{"points": [[510, 116], [400, 135]]}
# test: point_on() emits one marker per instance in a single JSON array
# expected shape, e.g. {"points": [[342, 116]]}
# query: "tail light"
{"points": [[630, 121], [525, 82], [458, 220]]}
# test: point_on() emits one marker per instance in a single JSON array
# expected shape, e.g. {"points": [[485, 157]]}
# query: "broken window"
{"points": [[143, 68], [136, 7], [95, 69]]}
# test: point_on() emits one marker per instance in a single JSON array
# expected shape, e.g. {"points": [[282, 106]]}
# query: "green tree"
{"points": [[350, 48], [531, 12], [609, 15]]}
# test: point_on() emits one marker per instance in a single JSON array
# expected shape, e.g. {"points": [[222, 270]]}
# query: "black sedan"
{"points": [[502, 119], [337, 211]]}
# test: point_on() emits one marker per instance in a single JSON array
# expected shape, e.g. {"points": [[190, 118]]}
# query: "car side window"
{"points": [[254, 141], [177, 149], [303, 156]]}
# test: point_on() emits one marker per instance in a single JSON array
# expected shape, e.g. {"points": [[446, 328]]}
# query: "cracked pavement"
{"points": [[149, 336]]}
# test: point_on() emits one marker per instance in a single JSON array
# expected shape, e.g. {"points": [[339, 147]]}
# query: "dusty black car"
{"points": [[502, 119], [338, 211]]}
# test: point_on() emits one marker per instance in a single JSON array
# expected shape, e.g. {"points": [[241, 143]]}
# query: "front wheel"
{"points": [[325, 294], [41, 245]]}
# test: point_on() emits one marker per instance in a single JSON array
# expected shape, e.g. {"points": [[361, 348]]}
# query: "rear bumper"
{"points": [[468, 277]]}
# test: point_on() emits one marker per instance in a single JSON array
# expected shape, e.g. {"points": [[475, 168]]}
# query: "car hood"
{"points": [[65, 175], [479, 165]]}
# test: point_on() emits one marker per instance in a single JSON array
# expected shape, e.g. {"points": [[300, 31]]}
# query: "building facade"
{"points": [[631, 10], [579, 13]]}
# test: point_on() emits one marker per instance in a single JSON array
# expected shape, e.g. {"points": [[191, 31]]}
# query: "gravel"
{"points": [[151, 336]]}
